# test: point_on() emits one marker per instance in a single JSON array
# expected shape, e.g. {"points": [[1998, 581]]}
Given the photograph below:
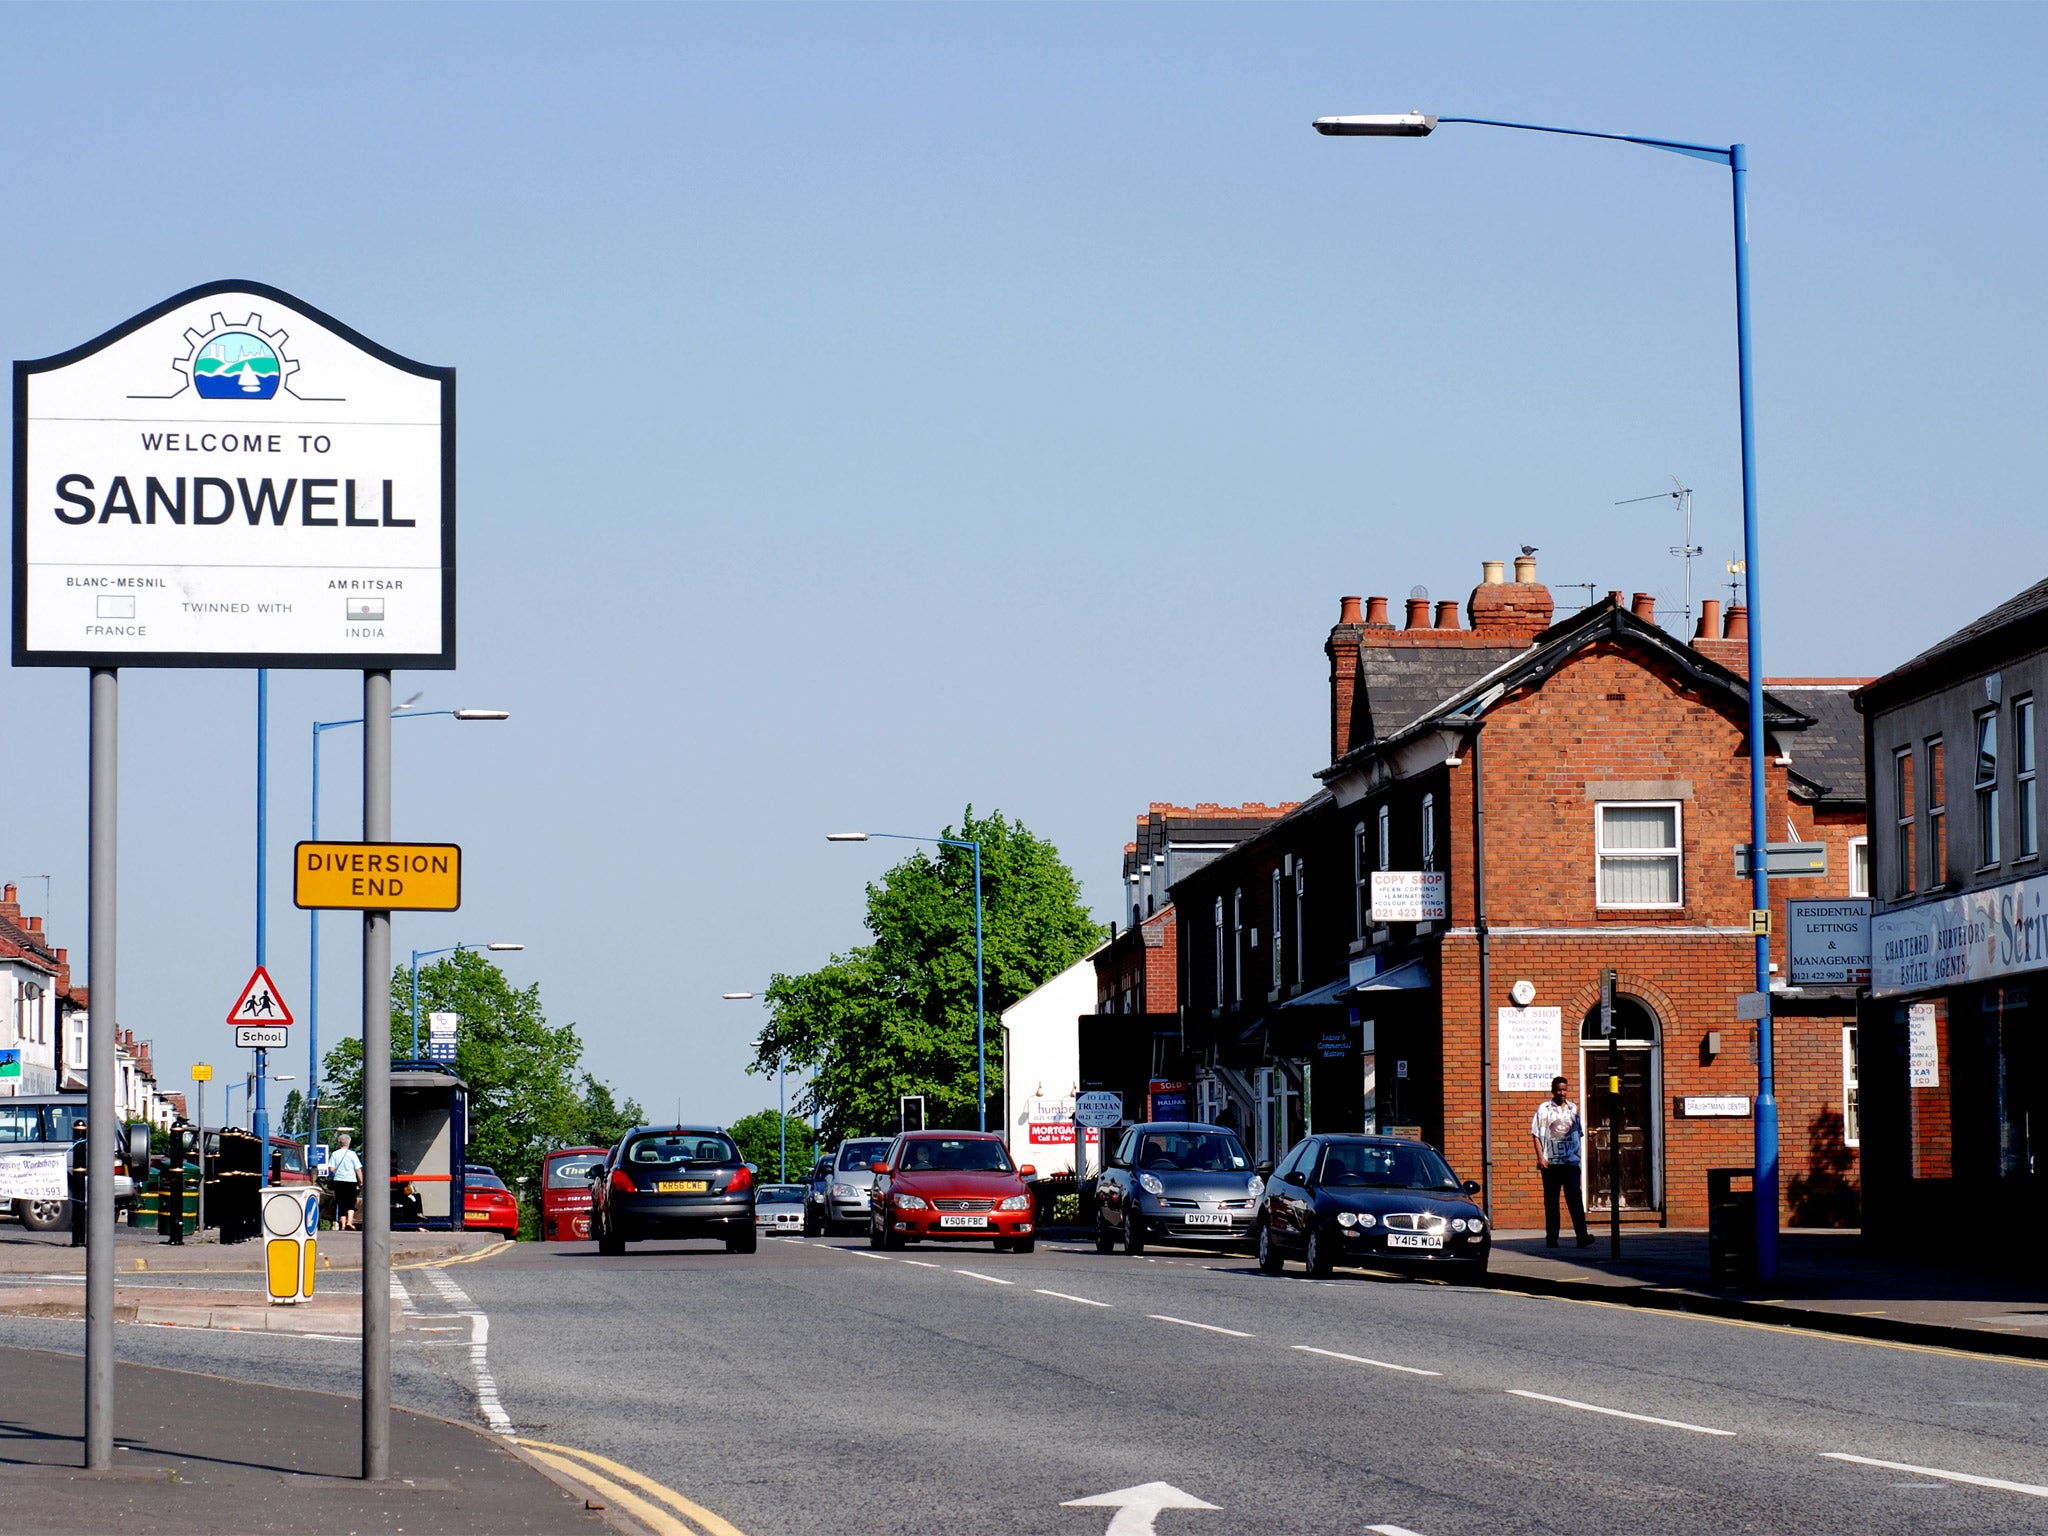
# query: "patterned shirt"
{"points": [[1560, 1130]]}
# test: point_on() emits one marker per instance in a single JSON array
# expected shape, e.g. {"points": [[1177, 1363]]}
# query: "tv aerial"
{"points": [[1682, 494]]}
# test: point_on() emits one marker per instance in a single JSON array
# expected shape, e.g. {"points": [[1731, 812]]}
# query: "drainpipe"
{"points": [[1485, 972]]}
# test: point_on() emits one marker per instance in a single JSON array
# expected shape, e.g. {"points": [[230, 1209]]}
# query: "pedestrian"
{"points": [[348, 1182], [1560, 1137]]}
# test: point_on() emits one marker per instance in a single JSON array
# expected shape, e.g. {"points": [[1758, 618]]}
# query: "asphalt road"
{"points": [[819, 1387]]}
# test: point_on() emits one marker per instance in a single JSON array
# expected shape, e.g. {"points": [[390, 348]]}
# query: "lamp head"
{"points": [[483, 714], [846, 837], [505, 948], [1380, 125], [735, 997]]}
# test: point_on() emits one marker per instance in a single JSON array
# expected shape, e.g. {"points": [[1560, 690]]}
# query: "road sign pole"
{"points": [[101, 1126], [201, 1233], [376, 1095], [259, 1120]]}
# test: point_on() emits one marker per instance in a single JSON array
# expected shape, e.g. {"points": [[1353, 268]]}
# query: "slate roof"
{"points": [[1828, 755], [1399, 685], [2018, 623]]}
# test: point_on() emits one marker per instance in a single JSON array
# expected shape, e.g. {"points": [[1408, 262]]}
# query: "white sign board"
{"points": [[1099, 1109], [33, 1176], [441, 1026], [1701, 1107], [1977, 936], [1408, 896], [234, 479], [262, 1037], [1828, 942], [1923, 1051], [1531, 1048]]}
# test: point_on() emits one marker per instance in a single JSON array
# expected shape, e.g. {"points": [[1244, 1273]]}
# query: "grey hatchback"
{"points": [[673, 1181], [1175, 1181]]}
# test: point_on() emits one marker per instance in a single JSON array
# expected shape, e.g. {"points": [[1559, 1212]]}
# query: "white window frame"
{"points": [[1429, 832], [1278, 946], [1361, 880], [1859, 879], [1237, 944], [2026, 809], [1300, 923], [1219, 950], [1985, 789], [1905, 839], [1852, 1091], [1386, 848], [1601, 853]]}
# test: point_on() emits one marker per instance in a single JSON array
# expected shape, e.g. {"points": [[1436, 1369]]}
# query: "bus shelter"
{"points": [[429, 1127]]}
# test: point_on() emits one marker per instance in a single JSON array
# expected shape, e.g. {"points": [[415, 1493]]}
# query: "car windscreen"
{"points": [[670, 1148], [856, 1155], [966, 1155], [781, 1194], [1192, 1152], [572, 1172], [58, 1119], [1377, 1166]]}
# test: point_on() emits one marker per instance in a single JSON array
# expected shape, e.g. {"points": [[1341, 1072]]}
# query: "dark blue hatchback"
{"points": [[1373, 1200], [677, 1181]]}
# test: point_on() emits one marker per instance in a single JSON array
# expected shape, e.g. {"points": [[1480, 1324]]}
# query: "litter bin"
{"points": [[1731, 1228]]}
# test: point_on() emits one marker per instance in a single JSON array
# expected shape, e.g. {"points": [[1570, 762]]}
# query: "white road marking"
{"points": [[1616, 1413], [1063, 1296], [1385, 1365], [2034, 1490], [1161, 1317], [1137, 1508], [861, 1253], [1390, 1530], [977, 1275], [479, 1345], [921, 1263]]}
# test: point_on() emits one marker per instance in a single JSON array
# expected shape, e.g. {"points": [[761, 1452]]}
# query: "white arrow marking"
{"points": [[1136, 1508]]}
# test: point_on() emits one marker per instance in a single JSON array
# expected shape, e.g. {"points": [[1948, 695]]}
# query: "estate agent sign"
{"points": [[1980, 935], [234, 479], [1828, 942]]}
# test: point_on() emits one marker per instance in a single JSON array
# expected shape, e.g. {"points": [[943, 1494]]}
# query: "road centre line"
{"points": [[921, 1263], [1390, 1530], [660, 1520], [1161, 1317], [2034, 1490], [1616, 1413], [1385, 1365], [1063, 1296], [973, 1274]]}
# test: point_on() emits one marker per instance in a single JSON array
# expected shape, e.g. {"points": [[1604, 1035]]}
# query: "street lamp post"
{"points": [[980, 1017], [427, 954], [1736, 158], [313, 916], [781, 1097]]}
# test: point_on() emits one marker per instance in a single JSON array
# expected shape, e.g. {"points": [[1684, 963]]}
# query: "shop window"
{"points": [[1904, 869], [1937, 813], [1986, 786], [2026, 827], [1638, 852]]}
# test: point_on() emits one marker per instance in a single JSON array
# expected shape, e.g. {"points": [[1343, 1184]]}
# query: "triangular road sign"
{"points": [[260, 1002]]}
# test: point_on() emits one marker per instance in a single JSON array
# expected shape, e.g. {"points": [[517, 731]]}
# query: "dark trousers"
{"points": [[1562, 1177]]}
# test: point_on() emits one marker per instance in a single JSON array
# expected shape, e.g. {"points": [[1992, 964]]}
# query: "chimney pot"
{"points": [[1376, 611], [1347, 612], [1447, 614], [1614, 598], [1525, 568], [1710, 620], [1418, 613], [1644, 607], [35, 925], [1738, 624], [1492, 573], [8, 894]]}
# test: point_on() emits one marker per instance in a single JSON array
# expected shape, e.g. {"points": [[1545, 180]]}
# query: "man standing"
{"points": [[348, 1181], [1560, 1137]]}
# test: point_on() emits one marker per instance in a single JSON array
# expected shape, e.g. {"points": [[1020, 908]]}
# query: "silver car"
{"points": [[851, 1183], [780, 1208], [1173, 1181]]}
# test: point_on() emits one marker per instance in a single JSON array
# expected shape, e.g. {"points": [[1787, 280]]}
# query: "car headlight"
{"points": [[1150, 1185], [910, 1203], [1457, 1223], [1475, 1223], [1255, 1186], [1347, 1218], [1016, 1203], [1367, 1219], [845, 1191]]}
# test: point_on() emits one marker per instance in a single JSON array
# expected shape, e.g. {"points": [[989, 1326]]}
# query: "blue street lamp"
{"points": [[980, 1017], [781, 1101], [313, 916], [1414, 125], [427, 954]]}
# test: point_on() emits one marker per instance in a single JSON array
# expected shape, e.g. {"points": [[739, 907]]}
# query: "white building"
{"points": [[1042, 1068]]}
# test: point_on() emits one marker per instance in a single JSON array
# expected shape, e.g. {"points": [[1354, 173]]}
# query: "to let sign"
{"points": [[1828, 942], [1408, 896], [377, 877]]}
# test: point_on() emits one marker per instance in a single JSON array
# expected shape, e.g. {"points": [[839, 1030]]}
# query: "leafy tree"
{"points": [[760, 1141], [896, 1016], [294, 1118], [527, 1093]]}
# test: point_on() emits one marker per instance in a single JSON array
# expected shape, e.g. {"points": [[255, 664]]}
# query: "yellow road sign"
{"points": [[1759, 922], [377, 877], [202, 1073]]}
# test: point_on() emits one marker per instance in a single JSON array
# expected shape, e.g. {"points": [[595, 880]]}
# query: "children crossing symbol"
{"points": [[260, 1002]]}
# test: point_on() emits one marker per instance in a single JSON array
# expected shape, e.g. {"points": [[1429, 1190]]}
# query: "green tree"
{"points": [[602, 1119], [760, 1141], [294, 1118], [896, 1016]]}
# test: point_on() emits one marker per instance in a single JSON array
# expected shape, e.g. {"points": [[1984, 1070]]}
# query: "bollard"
{"points": [[170, 1204]]}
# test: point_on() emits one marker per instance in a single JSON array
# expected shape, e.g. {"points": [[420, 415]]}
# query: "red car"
{"points": [[565, 1193], [488, 1206], [949, 1186]]}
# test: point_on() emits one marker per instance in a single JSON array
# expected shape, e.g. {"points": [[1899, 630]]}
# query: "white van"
{"points": [[43, 1122]]}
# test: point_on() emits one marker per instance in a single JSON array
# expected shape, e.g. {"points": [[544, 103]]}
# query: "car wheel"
{"points": [[43, 1215], [891, 1238], [1024, 1245], [1270, 1262], [1003, 1245], [1316, 1260], [1134, 1232], [747, 1241], [609, 1243], [1105, 1240], [1471, 1272], [874, 1233]]}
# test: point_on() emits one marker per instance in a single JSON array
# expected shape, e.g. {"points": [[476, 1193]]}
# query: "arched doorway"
{"points": [[1639, 1138]]}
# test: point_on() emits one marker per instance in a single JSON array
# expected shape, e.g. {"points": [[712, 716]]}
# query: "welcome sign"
{"points": [[234, 479]]}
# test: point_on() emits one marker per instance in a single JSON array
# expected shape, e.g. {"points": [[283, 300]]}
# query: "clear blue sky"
{"points": [[869, 410]]}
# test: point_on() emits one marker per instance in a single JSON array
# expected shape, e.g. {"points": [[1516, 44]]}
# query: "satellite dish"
{"points": [[1418, 594]]}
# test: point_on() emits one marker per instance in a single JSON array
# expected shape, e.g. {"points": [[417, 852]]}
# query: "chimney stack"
{"points": [[1376, 612], [1342, 649], [1418, 613], [1447, 613], [1509, 613], [1729, 644], [1644, 607]]}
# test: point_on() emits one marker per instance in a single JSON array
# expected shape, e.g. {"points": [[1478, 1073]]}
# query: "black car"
{"points": [[1174, 1181], [673, 1181], [1371, 1200]]}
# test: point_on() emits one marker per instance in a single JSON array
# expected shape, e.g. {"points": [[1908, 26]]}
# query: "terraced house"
{"points": [[1514, 804]]}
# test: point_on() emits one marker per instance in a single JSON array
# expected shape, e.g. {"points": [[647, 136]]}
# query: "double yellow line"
{"points": [[661, 1509]]}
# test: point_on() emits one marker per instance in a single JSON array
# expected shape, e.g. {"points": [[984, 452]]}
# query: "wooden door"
{"points": [[1638, 1127]]}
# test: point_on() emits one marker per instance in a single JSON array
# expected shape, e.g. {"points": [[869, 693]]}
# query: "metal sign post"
{"points": [[377, 1094], [103, 776], [1613, 1114], [200, 1074]]}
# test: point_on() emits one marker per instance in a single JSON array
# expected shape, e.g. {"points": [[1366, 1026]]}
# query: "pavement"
{"points": [[205, 1455]]}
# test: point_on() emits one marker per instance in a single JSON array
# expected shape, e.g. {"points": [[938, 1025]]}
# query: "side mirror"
{"points": [[1027, 1170], [1265, 1169], [1471, 1186], [136, 1139], [878, 1167]]}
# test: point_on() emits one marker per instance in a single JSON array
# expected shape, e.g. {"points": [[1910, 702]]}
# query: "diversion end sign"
{"points": [[377, 877]]}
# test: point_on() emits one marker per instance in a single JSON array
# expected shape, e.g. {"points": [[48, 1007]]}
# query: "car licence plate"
{"points": [[1414, 1240], [1207, 1218], [682, 1186], [963, 1221]]}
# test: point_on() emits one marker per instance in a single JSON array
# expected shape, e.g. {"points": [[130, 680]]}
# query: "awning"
{"points": [[1412, 977], [1322, 996]]}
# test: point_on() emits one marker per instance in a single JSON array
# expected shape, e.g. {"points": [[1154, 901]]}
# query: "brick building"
{"points": [[1553, 798]]}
